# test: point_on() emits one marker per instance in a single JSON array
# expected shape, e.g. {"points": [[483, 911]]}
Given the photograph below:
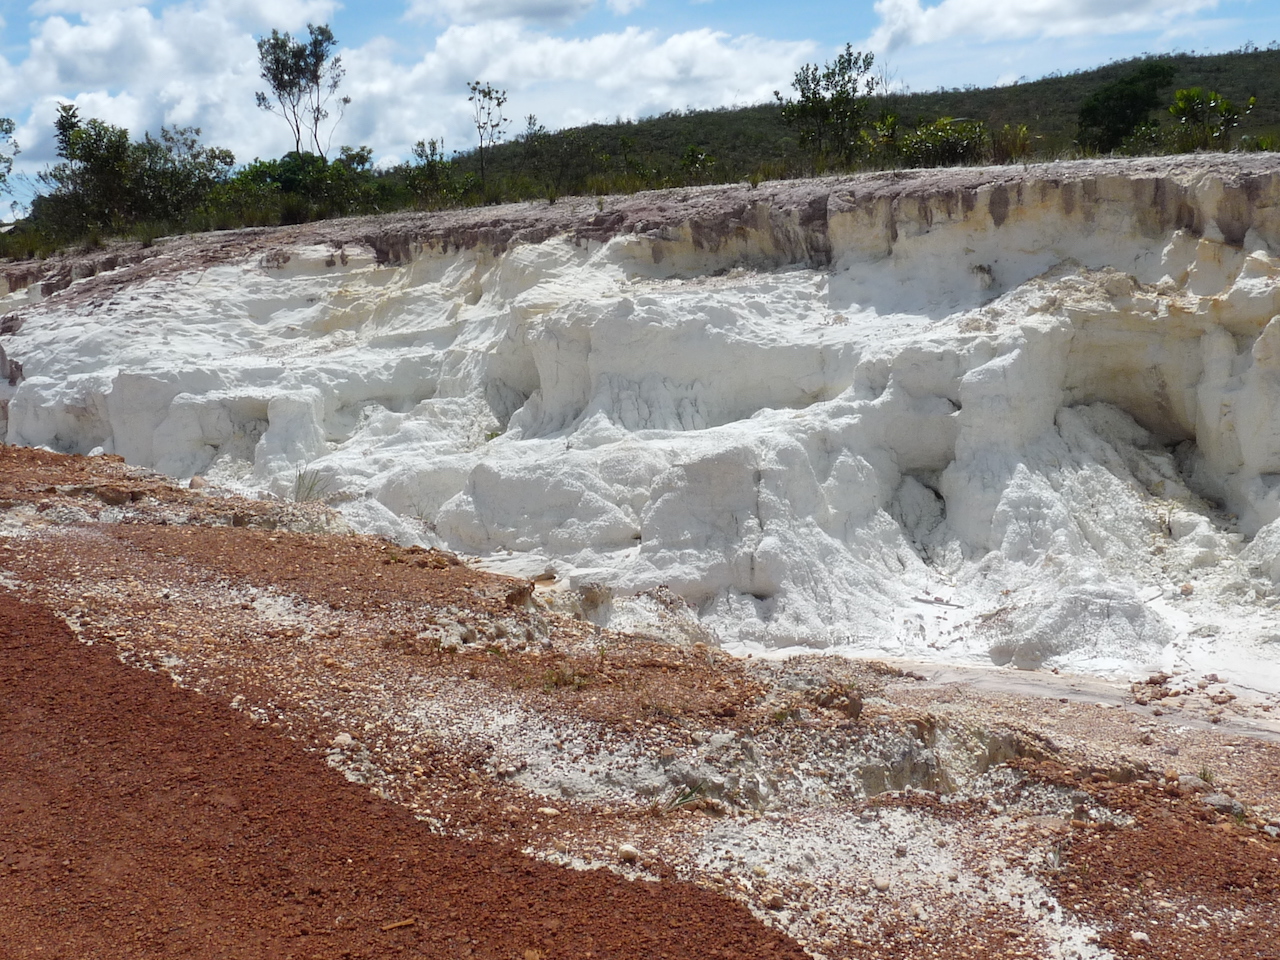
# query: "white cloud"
{"points": [[43, 8], [480, 11], [622, 7], [630, 73], [904, 22], [273, 14]]}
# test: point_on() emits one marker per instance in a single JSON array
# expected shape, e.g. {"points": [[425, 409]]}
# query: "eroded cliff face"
{"points": [[1021, 415]]}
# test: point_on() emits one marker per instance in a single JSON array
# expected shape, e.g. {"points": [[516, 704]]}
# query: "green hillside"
{"points": [[175, 183], [745, 139]]}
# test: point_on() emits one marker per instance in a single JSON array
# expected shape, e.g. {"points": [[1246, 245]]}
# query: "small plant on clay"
{"points": [[682, 797], [563, 676], [310, 486]]}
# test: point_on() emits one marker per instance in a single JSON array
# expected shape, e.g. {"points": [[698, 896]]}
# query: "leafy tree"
{"points": [[486, 104], [356, 159], [173, 175], [1114, 112], [90, 188], [831, 105], [107, 182], [305, 186], [8, 150], [304, 77]]}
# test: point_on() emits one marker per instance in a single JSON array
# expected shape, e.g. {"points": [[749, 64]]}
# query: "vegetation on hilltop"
{"points": [[843, 116]]}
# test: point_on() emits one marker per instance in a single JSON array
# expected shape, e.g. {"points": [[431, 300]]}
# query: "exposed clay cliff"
{"points": [[1043, 395]]}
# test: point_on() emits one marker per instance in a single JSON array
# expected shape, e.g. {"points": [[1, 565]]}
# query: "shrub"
{"points": [[945, 142], [1011, 144]]}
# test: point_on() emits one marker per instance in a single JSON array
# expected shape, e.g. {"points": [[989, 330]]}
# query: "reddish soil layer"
{"points": [[1190, 882], [140, 820]]}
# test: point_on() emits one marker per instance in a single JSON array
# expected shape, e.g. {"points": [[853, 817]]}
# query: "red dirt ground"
{"points": [[141, 820]]}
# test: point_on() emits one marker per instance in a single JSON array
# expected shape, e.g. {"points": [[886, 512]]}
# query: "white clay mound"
{"points": [[1028, 417]]}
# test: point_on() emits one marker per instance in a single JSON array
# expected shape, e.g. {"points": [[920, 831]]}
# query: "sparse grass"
{"points": [[679, 798], [564, 676], [310, 486], [684, 796], [1206, 774]]}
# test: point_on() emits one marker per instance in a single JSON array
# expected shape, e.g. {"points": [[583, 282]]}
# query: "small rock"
{"points": [[918, 912], [1139, 937], [549, 811], [627, 853], [197, 482], [882, 884], [953, 876], [900, 849], [774, 901], [1186, 590]]}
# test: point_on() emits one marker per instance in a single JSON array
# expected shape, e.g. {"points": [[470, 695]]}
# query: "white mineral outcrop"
{"points": [[1000, 415]]}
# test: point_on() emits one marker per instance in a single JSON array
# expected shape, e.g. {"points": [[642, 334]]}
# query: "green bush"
{"points": [[1205, 120], [945, 143], [1011, 144]]}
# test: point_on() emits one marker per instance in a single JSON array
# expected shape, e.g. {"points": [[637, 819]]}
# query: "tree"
{"points": [[1113, 113], [486, 104], [831, 107], [8, 150], [303, 78], [90, 188], [171, 176], [107, 182]]}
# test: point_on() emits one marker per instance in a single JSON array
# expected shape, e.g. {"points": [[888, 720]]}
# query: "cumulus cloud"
{"points": [[479, 11], [564, 81], [905, 22], [43, 8]]}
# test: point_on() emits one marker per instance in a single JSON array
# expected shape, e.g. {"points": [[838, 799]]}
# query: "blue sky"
{"points": [[193, 62]]}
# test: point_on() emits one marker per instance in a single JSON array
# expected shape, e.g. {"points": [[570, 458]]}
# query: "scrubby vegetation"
{"points": [[839, 116]]}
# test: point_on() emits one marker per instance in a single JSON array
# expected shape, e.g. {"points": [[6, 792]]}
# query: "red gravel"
{"points": [[1191, 883], [142, 820]]}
